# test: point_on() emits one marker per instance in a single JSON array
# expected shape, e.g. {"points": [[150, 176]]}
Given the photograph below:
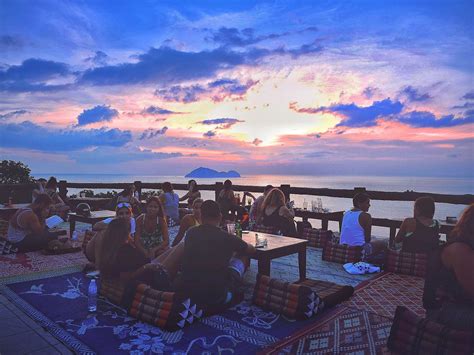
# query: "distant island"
{"points": [[210, 173]]}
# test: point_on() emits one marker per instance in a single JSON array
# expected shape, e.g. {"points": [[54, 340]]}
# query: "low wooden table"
{"points": [[277, 246], [95, 217]]}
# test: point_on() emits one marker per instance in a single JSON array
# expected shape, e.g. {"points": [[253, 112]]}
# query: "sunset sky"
{"points": [[281, 87]]}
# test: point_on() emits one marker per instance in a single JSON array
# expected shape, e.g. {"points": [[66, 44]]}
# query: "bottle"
{"points": [[74, 238], [238, 229], [92, 296]]}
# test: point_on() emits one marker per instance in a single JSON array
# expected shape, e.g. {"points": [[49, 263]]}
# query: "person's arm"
{"points": [[162, 198], [459, 257], [138, 236], [285, 212], [404, 229], [100, 226], [183, 227], [166, 239], [186, 196], [365, 221], [33, 222]]}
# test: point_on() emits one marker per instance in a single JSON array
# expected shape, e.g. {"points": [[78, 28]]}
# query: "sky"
{"points": [[267, 87]]}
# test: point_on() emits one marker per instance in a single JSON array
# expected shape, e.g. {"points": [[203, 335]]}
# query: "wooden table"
{"points": [[95, 217], [277, 246], [6, 211], [325, 217]]}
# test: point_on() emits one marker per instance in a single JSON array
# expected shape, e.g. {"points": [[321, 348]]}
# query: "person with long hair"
{"points": [[27, 227], [128, 196], [170, 201], [122, 211], [192, 194], [226, 200], [152, 230], [274, 213], [420, 234], [256, 206], [449, 285], [189, 221], [58, 205]]}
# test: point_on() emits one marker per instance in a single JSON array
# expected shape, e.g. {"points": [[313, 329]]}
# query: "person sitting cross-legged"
{"points": [[357, 226], [213, 262]]}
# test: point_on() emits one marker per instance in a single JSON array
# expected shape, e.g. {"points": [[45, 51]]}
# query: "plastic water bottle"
{"points": [[92, 296], [74, 238]]}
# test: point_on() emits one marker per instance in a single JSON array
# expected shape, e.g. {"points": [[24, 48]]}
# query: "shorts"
{"points": [[237, 265]]}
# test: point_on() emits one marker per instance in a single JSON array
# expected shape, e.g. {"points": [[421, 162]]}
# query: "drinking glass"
{"points": [[231, 228], [305, 205], [319, 204], [314, 205]]}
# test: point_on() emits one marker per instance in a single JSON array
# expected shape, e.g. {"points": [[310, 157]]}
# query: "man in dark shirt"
{"points": [[212, 258]]}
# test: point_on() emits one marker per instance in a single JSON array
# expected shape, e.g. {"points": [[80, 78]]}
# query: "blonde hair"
{"points": [[275, 197]]}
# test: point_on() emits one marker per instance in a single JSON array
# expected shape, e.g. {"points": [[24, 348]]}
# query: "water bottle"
{"points": [[92, 296], [74, 238]]}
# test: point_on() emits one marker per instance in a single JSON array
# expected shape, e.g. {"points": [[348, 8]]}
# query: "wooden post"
{"points": [[286, 191], [138, 188], [217, 189], [63, 189]]}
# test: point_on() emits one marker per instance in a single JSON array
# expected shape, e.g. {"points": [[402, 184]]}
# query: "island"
{"points": [[210, 173]]}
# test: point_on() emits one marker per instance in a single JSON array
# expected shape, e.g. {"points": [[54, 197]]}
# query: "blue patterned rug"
{"points": [[59, 304]]}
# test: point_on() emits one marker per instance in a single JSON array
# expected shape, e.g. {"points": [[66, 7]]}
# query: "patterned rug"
{"points": [[243, 329], [386, 291], [25, 263], [342, 331]]}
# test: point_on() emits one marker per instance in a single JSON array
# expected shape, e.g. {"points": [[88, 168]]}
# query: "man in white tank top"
{"points": [[357, 222]]}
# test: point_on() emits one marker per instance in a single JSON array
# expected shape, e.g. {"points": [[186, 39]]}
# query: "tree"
{"points": [[14, 172]]}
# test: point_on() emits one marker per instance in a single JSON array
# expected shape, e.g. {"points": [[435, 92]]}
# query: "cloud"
{"points": [[9, 42], [217, 90], [32, 136], [13, 114], [233, 37], [256, 142], [413, 95], [151, 133], [428, 119], [106, 155], [155, 110], [209, 134], [369, 92], [222, 123], [354, 115], [99, 113], [99, 59], [469, 96], [467, 105], [319, 154]]}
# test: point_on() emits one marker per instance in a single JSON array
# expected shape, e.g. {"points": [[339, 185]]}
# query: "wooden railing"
{"points": [[22, 193]]}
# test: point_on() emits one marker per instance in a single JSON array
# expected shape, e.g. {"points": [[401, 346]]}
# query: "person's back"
{"points": [[352, 232], [171, 205], [424, 239]]}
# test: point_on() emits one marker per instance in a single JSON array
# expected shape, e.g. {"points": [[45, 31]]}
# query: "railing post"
{"points": [[138, 188], [286, 191], [62, 189], [217, 189]]}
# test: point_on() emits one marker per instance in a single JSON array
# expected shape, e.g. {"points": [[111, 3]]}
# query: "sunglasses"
{"points": [[124, 204]]}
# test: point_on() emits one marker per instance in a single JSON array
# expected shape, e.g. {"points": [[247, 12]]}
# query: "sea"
{"points": [[380, 209]]}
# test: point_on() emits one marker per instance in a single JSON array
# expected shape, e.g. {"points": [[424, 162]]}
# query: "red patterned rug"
{"points": [[386, 291], [342, 331], [33, 262]]}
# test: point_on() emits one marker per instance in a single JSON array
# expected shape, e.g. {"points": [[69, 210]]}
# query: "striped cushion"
{"points": [[113, 289], [331, 294], [412, 335], [165, 310], [292, 300], [406, 263], [260, 228], [316, 237], [3, 228], [341, 253]]}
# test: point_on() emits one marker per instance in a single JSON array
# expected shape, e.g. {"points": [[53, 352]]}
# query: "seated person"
{"points": [[117, 257], [357, 226], [189, 221], [58, 207], [170, 201], [192, 194], [124, 211], [420, 234], [151, 237], [449, 285], [41, 184], [256, 206], [226, 200], [212, 260], [274, 213], [27, 228], [128, 196]]}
